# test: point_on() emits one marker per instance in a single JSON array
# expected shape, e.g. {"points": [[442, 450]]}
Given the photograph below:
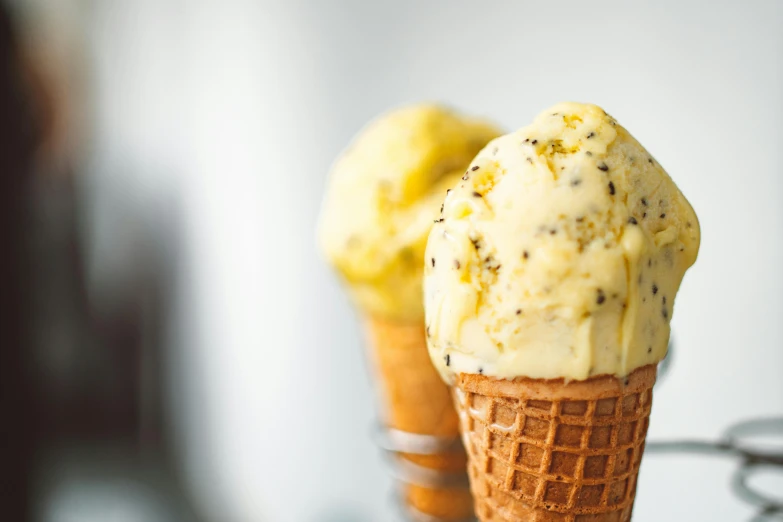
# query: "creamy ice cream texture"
{"points": [[383, 195], [559, 253]]}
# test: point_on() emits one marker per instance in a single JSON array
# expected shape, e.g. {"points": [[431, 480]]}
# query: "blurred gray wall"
{"points": [[228, 115]]}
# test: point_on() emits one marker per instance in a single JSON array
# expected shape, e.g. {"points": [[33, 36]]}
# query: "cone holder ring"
{"points": [[411, 473], [734, 442], [754, 458], [396, 441], [768, 505]]}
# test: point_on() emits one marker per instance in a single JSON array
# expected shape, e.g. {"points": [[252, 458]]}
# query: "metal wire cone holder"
{"points": [[754, 459], [736, 442], [395, 441]]}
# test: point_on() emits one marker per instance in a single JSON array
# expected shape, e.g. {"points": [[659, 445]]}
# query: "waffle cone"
{"points": [[415, 400], [550, 451]]}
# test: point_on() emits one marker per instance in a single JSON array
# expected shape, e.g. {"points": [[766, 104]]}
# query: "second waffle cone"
{"points": [[550, 451], [416, 400]]}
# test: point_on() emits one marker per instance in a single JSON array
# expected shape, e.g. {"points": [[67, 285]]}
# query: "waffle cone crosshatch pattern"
{"points": [[546, 450]]}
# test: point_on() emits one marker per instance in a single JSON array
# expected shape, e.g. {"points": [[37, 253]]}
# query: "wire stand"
{"points": [[395, 442], [755, 458]]}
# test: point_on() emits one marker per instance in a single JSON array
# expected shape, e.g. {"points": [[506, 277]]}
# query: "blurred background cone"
{"points": [[415, 400]]}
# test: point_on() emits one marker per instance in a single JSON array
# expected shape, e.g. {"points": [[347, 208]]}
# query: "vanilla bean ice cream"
{"points": [[559, 253], [383, 195]]}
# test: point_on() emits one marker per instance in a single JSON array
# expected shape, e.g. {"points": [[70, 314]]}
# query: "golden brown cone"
{"points": [[416, 400], [550, 451]]}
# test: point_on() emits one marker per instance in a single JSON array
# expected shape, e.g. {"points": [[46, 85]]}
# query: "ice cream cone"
{"points": [[549, 289], [554, 451], [415, 400]]}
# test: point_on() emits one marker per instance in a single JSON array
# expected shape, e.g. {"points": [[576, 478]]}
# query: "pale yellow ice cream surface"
{"points": [[383, 195], [559, 254]]}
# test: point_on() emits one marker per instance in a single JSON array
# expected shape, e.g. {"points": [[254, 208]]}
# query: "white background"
{"points": [[229, 114]]}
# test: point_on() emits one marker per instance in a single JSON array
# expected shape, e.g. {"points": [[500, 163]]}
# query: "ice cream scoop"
{"points": [[558, 254], [384, 192]]}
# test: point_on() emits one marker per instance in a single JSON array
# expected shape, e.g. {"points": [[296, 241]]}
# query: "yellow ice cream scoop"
{"points": [[383, 195], [559, 254]]}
